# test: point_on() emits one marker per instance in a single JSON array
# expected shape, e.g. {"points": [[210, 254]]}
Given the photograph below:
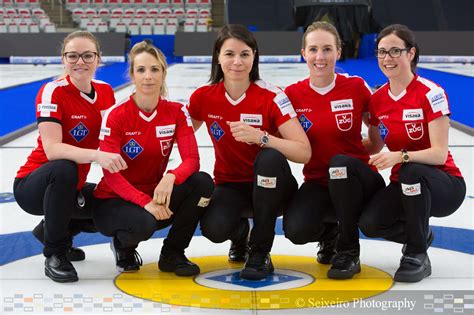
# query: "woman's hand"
{"points": [[162, 193], [243, 132], [160, 212], [385, 160], [112, 162]]}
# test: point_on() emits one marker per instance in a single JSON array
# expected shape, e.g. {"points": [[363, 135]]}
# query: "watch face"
{"points": [[264, 139]]}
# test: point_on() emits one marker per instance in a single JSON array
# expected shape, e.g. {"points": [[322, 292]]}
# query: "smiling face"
{"points": [[236, 60], [147, 74], [80, 72], [395, 67], [321, 54]]}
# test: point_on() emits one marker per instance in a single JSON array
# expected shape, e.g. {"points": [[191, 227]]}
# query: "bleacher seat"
{"points": [[121, 27], [149, 19], [7, 3], [206, 4], [23, 11], [102, 27], [145, 29], [159, 28], [34, 27], [24, 27], [50, 28], [171, 28], [164, 3], [83, 21], [134, 28], [33, 3], [189, 26], [202, 27], [3, 27], [114, 20], [13, 28], [91, 27]]}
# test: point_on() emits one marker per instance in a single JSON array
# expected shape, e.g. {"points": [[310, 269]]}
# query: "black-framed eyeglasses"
{"points": [[73, 57], [394, 52]]}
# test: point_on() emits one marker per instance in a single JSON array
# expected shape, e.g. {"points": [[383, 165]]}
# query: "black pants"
{"points": [[350, 193], [401, 211], [233, 201], [51, 190], [311, 215], [130, 224]]}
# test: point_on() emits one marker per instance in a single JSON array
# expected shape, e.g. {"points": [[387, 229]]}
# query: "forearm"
{"points": [[57, 151], [293, 150], [431, 156]]}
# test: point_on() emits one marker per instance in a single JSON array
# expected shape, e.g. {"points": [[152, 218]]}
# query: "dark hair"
{"points": [[147, 47], [325, 26], [405, 34], [241, 33]]}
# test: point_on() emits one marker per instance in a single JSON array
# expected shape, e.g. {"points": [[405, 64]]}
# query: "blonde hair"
{"points": [[325, 26], [142, 47]]}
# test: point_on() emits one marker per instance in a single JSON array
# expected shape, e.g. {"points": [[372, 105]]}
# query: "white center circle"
{"points": [[228, 279]]}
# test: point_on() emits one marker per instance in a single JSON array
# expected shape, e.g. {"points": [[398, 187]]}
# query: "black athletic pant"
{"points": [[51, 190], [352, 183], [264, 199], [130, 224], [401, 211], [310, 217]]}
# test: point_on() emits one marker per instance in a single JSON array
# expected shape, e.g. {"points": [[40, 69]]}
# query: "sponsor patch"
{"points": [[216, 131], [338, 172], [284, 104], [266, 182], [340, 105], [203, 202], [132, 149], [104, 131], [411, 190], [383, 131], [166, 146], [165, 131], [79, 132], [46, 109], [414, 130], [305, 122], [412, 114], [344, 121], [438, 101], [252, 119]]}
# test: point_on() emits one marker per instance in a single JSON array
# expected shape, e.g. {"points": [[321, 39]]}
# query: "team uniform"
{"points": [[52, 187], [401, 211], [250, 181], [333, 189], [145, 141]]}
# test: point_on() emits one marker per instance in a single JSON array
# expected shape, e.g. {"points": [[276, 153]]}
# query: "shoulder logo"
{"points": [[46, 109], [341, 105], [79, 132], [252, 119], [132, 149], [414, 130], [344, 121], [438, 100], [165, 131], [412, 114]]}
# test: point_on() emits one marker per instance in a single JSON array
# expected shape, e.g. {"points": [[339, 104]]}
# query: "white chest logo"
{"points": [[414, 130], [341, 105], [165, 131], [252, 119], [412, 114]]}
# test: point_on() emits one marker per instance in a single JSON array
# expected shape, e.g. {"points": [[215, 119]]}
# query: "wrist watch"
{"points": [[405, 156], [264, 139]]}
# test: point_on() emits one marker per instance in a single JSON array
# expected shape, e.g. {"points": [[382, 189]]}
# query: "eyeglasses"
{"points": [[87, 57], [392, 52]]}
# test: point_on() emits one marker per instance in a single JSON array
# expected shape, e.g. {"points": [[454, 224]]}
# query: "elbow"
{"points": [[305, 154], [441, 157]]}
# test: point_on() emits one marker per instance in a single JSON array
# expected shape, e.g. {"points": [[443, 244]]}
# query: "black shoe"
{"points": [[179, 264], [73, 254], [429, 241], [126, 259], [345, 265], [258, 266], [59, 269], [413, 268], [327, 248], [239, 249]]}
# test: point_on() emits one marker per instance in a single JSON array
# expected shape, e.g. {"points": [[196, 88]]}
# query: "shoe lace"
{"points": [[137, 258]]}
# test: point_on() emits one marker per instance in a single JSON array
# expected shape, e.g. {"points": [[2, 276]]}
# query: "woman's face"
{"points": [[80, 59], [236, 60], [321, 53], [399, 64], [147, 74]]}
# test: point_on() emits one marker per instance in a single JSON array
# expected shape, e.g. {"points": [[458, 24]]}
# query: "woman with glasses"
{"points": [[410, 115], [52, 182], [254, 129], [331, 108], [144, 198]]}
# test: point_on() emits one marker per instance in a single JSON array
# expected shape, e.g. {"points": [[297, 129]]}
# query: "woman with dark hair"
{"points": [[254, 131], [410, 115], [144, 198], [53, 180], [331, 107]]}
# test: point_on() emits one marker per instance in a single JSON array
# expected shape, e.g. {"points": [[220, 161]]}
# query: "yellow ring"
{"points": [[151, 284]]}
